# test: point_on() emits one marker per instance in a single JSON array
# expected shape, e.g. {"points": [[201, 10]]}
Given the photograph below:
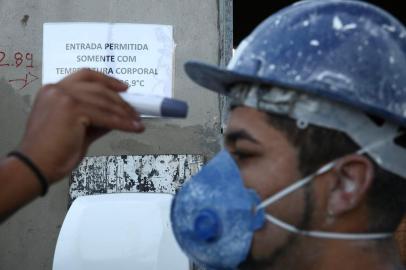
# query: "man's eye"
{"points": [[241, 155]]}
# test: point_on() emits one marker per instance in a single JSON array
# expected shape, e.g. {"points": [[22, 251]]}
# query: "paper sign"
{"points": [[139, 54]]}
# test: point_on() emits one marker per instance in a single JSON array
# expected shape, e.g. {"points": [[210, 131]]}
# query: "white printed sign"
{"points": [[139, 54]]}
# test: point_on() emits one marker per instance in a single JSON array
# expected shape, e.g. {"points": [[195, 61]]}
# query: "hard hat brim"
{"points": [[220, 79], [214, 78]]}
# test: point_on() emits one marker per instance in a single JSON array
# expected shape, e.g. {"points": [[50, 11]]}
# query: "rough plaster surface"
{"points": [[146, 173]]}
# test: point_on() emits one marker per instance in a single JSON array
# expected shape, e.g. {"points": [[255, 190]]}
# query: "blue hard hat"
{"points": [[348, 51]]}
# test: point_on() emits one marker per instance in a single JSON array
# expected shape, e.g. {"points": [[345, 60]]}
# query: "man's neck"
{"points": [[339, 254], [363, 255]]}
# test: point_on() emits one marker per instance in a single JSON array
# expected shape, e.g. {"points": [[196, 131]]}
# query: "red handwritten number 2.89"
{"points": [[20, 61]]}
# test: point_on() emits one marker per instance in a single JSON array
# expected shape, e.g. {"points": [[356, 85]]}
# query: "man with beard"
{"points": [[313, 174]]}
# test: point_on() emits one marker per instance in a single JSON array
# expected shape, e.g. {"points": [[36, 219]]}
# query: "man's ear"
{"points": [[353, 176]]}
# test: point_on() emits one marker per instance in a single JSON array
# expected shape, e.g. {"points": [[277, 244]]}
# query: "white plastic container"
{"points": [[119, 231]]}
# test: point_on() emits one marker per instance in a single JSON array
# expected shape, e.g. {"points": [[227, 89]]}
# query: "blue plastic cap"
{"points": [[174, 108], [207, 226]]}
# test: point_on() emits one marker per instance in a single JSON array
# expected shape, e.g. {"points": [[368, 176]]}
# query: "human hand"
{"points": [[68, 116]]}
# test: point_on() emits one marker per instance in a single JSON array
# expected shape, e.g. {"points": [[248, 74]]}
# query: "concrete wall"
{"points": [[27, 240]]}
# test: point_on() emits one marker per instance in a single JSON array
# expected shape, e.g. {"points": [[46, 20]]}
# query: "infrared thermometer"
{"points": [[155, 105]]}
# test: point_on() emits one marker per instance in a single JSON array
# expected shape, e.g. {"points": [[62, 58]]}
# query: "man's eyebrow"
{"points": [[233, 136]]}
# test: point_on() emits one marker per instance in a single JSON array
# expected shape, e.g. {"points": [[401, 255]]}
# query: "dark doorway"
{"points": [[248, 14]]}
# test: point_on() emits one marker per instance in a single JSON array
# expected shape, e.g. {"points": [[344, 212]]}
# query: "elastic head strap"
{"points": [[326, 235]]}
